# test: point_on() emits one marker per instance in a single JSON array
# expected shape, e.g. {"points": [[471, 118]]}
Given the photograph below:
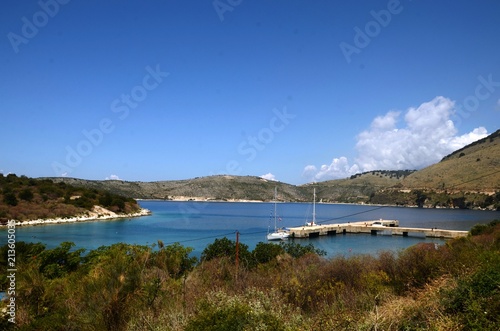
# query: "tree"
{"points": [[119, 202], [59, 261], [298, 250], [10, 199], [106, 199], [175, 259], [265, 252], [26, 194], [225, 248], [420, 198]]}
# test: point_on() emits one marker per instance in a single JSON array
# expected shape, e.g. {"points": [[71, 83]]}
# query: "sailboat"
{"points": [[313, 222], [278, 234]]}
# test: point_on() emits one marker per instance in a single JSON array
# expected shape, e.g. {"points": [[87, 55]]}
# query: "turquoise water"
{"points": [[196, 224]]}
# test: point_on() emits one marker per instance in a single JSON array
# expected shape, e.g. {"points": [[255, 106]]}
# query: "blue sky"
{"points": [[293, 90]]}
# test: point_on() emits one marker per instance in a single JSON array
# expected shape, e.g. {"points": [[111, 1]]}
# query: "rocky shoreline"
{"points": [[97, 214]]}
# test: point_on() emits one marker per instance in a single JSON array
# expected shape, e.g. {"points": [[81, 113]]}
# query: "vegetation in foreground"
{"points": [[455, 286]]}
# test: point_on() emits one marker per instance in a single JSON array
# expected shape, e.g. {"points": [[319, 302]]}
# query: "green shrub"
{"points": [[417, 265], [484, 228], [57, 262], [226, 248], [476, 299], [298, 250], [174, 259], [265, 252], [220, 312], [10, 199], [26, 195]]}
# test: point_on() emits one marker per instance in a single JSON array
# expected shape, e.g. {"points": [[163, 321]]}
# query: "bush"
{"points": [[417, 265], [221, 312], [224, 247], [59, 261], [476, 299], [132, 287], [175, 259], [265, 252], [26, 195], [484, 228], [10, 199], [298, 250]]}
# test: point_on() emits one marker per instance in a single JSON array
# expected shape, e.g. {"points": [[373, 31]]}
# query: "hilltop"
{"points": [[467, 178], [476, 167], [218, 187], [29, 199], [359, 188]]}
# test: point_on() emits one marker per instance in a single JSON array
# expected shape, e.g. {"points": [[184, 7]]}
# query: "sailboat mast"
{"points": [[314, 207], [275, 197]]}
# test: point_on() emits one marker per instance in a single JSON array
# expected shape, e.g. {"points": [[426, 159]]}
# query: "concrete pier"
{"points": [[376, 227]]}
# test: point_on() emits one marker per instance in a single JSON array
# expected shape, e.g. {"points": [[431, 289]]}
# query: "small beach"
{"points": [[97, 214]]}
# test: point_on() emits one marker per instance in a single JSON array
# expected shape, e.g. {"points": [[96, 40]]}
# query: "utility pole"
{"points": [[237, 250]]}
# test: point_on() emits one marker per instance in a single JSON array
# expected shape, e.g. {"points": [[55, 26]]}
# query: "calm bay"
{"points": [[197, 224]]}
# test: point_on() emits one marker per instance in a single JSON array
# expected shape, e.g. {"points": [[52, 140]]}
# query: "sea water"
{"points": [[197, 224]]}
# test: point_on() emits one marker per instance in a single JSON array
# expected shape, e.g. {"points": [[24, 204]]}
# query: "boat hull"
{"points": [[275, 236]]}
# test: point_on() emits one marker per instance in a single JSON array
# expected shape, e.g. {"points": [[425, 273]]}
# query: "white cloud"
{"points": [[339, 168], [428, 134], [113, 177], [269, 176]]}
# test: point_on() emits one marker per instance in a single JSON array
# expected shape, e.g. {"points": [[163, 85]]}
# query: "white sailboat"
{"points": [[313, 222], [278, 234]]}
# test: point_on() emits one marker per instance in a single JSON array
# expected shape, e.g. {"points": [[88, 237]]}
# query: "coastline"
{"points": [[97, 214], [182, 198], [205, 200]]}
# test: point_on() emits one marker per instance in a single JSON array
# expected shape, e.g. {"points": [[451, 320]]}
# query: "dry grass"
{"points": [[474, 168], [420, 310], [129, 287]]}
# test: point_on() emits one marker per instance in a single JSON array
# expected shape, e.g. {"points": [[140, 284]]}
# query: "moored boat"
{"points": [[279, 233]]}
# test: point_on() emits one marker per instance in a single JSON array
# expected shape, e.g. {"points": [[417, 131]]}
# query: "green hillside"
{"points": [[475, 167], [358, 188], [467, 178], [24, 198], [220, 187]]}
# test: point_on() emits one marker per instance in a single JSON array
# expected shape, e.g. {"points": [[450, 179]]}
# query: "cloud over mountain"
{"points": [[426, 136], [269, 176]]}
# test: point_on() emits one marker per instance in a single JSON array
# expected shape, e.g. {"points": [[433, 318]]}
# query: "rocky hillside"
{"points": [[359, 188], [220, 187], [467, 178], [23, 198], [475, 167]]}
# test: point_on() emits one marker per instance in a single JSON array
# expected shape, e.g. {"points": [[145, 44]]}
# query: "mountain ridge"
{"points": [[466, 178]]}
